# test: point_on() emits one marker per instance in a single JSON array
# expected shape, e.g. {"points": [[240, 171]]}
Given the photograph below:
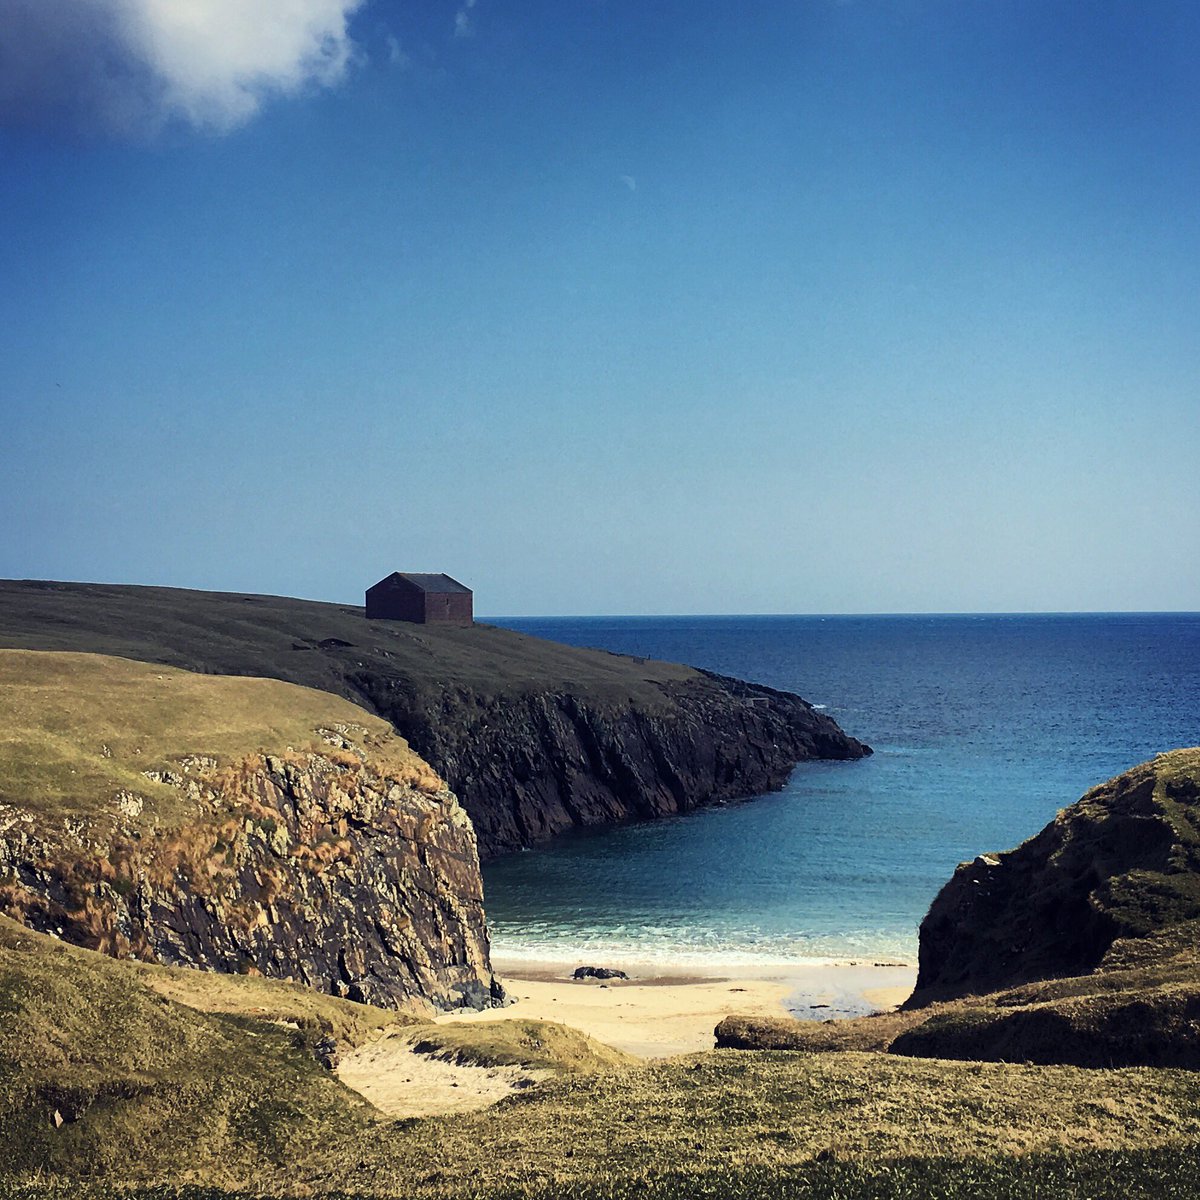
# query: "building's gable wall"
{"points": [[396, 600], [454, 608]]}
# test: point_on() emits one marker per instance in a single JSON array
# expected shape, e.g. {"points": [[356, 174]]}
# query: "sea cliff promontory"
{"points": [[234, 825], [535, 738], [1122, 862], [1078, 946]]}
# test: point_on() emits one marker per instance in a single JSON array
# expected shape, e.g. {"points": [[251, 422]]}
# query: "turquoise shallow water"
{"points": [[983, 727]]}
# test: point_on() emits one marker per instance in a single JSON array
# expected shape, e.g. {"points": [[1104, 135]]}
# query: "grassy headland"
{"points": [[234, 824], [535, 738], [80, 728]]}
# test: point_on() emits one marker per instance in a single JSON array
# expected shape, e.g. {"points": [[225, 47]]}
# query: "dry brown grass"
{"points": [[165, 1085], [270, 1000], [741, 1114], [81, 728]]}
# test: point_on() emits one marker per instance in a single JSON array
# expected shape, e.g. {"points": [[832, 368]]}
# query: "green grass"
{"points": [[80, 728], [141, 1080], [1172, 1174], [533, 1044], [1165, 891], [167, 1078]]}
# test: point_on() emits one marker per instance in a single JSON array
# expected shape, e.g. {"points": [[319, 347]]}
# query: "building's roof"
{"points": [[427, 582]]}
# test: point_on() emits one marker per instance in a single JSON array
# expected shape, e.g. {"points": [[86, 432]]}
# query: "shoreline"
{"points": [[662, 1010]]}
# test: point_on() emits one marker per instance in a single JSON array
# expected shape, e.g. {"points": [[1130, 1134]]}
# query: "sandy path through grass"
{"points": [[403, 1083]]}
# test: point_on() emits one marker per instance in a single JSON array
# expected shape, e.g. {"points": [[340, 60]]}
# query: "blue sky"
{"points": [[605, 307]]}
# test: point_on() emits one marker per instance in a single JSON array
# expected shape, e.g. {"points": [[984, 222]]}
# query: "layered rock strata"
{"points": [[346, 865], [531, 766]]}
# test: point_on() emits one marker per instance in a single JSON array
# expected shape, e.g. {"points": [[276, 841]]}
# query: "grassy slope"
{"points": [[160, 1085], [168, 1074], [1055, 1175], [281, 638], [721, 1115], [143, 1080], [1148, 901], [79, 728]]}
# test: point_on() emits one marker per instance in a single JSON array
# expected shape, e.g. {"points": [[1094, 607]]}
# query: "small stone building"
{"points": [[422, 598]]}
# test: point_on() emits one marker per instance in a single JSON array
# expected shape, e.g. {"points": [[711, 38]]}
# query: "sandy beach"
{"points": [[658, 1012]]}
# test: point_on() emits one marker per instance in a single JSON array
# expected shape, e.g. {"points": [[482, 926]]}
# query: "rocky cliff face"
{"points": [[530, 766], [346, 864], [307, 867], [1122, 862], [534, 737]]}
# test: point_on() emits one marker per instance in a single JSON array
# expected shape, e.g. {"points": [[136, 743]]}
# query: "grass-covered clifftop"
{"points": [[78, 729], [234, 824], [534, 737]]}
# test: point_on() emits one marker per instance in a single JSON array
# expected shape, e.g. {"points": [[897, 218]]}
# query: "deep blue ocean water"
{"points": [[982, 726]]}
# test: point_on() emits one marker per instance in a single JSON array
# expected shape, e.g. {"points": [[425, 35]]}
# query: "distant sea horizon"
{"points": [[984, 725], [515, 621]]}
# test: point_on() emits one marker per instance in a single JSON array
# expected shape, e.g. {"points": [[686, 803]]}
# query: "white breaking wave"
{"points": [[705, 954]]}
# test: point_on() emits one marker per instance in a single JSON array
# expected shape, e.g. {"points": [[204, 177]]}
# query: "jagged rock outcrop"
{"points": [[534, 737], [1081, 947], [1122, 862], [530, 766], [344, 864]]}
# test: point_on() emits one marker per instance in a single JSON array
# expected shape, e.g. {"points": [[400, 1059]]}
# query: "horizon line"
{"points": [[715, 616], [622, 616]]}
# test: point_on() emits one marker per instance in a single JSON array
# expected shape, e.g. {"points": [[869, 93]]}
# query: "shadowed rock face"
{"points": [[304, 866], [1123, 862], [534, 738], [531, 766]]}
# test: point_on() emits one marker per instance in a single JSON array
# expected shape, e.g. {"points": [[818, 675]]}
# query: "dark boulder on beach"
{"points": [[534, 737], [598, 973]]}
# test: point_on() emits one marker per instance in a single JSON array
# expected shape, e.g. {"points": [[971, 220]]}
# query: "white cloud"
{"points": [[396, 53], [132, 66], [464, 26]]}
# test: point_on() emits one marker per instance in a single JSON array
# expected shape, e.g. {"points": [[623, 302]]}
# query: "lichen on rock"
{"points": [[345, 864]]}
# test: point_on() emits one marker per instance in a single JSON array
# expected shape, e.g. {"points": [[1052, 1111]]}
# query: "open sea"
{"points": [[982, 726]]}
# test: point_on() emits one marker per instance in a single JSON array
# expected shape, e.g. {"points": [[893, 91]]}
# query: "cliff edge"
{"points": [[533, 737], [1077, 947], [1123, 862], [236, 825]]}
